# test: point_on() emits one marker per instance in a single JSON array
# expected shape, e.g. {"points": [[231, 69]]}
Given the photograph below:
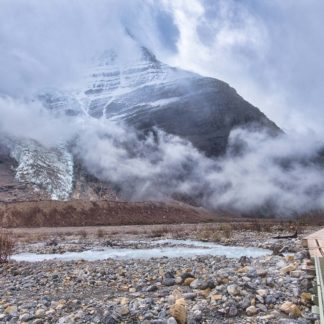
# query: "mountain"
{"points": [[146, 93], [142, 92]]}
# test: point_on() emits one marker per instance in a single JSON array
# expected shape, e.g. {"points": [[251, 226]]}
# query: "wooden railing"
{"points": [[315, 244], [319, 268]]}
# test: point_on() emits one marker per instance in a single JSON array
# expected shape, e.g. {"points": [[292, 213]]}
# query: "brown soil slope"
{"points": [[86, 213]]}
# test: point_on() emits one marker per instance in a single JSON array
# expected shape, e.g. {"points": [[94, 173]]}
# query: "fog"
{"points": [[49, 46]]}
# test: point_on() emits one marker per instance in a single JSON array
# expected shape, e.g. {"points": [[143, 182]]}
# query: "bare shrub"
{"points": [[83, 234], [226, 230], [7, 245], [100, 233], [158, 231]]}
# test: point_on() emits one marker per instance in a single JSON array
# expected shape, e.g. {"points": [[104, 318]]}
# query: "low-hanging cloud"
{"points": [[48, 45], [283, 173]]}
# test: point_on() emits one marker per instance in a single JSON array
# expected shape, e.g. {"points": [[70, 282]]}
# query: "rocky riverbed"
{"points": [[198, 289]]}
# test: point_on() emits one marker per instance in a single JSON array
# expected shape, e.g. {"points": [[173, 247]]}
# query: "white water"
{"points": [[178, 248]]}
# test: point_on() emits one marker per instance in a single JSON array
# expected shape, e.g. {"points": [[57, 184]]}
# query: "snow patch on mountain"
{"points": [[108, 81], [46, 169]]}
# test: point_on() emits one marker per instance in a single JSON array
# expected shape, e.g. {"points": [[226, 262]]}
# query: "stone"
{"points": [[204, 292], [168, 282], [123, 310], [297, 273], [11, 310], [216, 297], [38, 321], [40, 313], [259, 299], [243, 270], [262, 308], [186, 275], [178, 280], [301, 255], [171, 320], [287, 269], [232, 311], [262, 292], [25, 317], [262, 273], [246, 302], [189, 296], [151, 288], [197, 315], [211, 283], [270, 281], [148, 316], [296, 291], [270, 299], [233, 290], [290, 309], [169, 274], [244, 260], [305, 297], [251, 311], [199, 284], [188, 281], [305, 284], [124, 301]]}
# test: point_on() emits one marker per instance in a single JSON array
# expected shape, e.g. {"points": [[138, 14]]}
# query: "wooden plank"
{"points": [[316, 235], [313, 248], [320, 242]]}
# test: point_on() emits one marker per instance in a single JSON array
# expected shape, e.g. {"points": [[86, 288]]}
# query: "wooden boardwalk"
{"points": [[315, 244]]}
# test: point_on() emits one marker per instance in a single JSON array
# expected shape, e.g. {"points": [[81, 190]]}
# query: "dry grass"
{"points": [[83, 234], [7, 244], [101, 233], [224, 231], [216, 231], [158, 231]]}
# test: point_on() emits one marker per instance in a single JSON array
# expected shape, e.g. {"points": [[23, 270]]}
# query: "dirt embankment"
{"points": [[87, 213]]}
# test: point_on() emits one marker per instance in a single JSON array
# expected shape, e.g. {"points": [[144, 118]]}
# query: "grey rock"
{"points": [[26, 317], [270, 299], [233, 290], [232, 311], [169, 274], [262, 308], [168, 282], [189, 296], [186, 275], [199, 284], [171, 320], [251, 311], [151, 288], [246, 302]]}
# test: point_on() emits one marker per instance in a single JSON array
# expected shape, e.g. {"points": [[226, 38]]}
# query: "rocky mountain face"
{"points": [[31, 172], [146, 93], [142, 92]]}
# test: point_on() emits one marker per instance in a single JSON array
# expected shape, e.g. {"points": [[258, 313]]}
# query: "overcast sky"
{"points": [[271, 51]]}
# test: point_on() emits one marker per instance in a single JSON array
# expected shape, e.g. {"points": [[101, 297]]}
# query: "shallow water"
{"points": [[156, 249]]}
